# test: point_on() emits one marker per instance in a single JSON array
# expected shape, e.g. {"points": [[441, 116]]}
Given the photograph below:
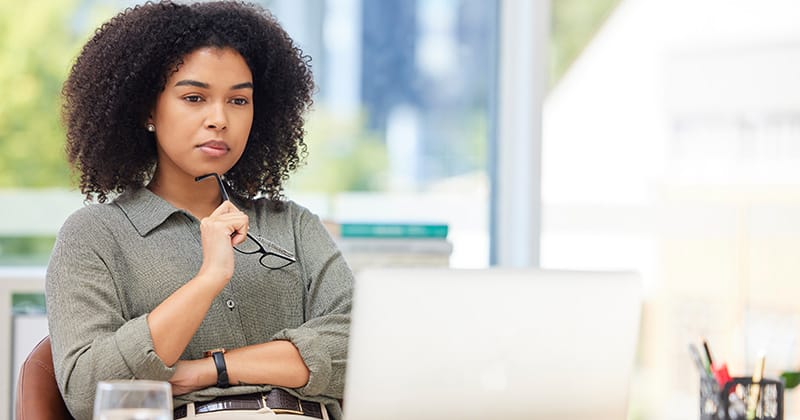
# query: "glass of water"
{"points": [[133, 400]]}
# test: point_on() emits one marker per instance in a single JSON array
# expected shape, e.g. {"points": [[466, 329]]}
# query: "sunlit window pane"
{"points": [[400, 125]]}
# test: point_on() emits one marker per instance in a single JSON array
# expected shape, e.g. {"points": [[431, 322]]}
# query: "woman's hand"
{"points": [[192, 375], [225, 227]]}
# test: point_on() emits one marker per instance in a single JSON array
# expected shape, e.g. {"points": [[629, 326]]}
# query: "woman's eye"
{"points": [[192, 98], [239, 101]]}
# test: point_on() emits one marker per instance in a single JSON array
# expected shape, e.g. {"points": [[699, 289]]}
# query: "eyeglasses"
{"points": [[273, 257]]}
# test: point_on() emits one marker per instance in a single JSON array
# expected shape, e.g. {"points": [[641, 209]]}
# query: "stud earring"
{"points": [[151, 128]]}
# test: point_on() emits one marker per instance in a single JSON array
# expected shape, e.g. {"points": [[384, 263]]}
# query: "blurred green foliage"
{"points": [[573, 24], [25, 250], [346, 157], [39, 41], [36, 49]]}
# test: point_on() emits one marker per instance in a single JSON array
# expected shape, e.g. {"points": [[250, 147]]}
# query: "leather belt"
{"points": [[277, 400]]}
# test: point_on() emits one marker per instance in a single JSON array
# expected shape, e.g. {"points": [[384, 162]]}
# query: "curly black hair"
{"points": [[115, 81]]}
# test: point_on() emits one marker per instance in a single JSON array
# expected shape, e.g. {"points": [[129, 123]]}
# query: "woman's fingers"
{"points": [[226, 226], [235, 225], [224, 208], [232, 220]]}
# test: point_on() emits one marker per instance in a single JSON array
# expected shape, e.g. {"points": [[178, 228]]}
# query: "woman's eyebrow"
{"points": [[245, 85], [189, 82]]}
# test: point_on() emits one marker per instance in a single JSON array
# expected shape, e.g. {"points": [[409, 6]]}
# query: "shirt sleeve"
{"points": [[92, 338], [322, 339]]}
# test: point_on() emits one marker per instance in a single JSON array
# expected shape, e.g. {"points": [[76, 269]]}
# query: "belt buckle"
{"points": [[283, 410], [288, 411]]}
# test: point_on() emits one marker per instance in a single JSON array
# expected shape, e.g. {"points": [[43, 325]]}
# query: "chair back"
{"points": [[38, 397]]}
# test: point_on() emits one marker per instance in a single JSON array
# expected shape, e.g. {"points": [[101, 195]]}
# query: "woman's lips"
{"points": [[214, 148]]}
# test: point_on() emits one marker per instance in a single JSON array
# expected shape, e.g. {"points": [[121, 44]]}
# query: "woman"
{"points": [[242, 301]]}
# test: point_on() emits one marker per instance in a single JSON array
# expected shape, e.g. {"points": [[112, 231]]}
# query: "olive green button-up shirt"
{"points": [[113, 263]]}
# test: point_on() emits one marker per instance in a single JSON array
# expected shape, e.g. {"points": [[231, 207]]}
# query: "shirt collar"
{"points": [[144, 209]]}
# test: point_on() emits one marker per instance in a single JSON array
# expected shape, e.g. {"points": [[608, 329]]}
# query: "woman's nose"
{"points": [[217, 120]]}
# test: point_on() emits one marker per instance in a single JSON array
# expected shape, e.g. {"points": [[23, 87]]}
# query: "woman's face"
{"points": [[203, 117]]}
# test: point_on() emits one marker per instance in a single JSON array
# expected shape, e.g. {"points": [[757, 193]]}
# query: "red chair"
{"points": [[38, 397]]}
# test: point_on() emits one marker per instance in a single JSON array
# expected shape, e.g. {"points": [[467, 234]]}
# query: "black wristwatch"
{"points": [[222, 370]]}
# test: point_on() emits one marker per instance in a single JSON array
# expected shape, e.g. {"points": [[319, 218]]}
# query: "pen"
{"points": [[718, 370], [698, 361], [755, 389], [708, 353]]}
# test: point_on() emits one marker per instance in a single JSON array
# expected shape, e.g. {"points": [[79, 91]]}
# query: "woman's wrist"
{"points": [[193, 375], [208, 373], [205, 373]]}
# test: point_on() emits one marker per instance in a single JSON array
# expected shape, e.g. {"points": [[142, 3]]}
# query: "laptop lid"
{"points": [[491, 344]]}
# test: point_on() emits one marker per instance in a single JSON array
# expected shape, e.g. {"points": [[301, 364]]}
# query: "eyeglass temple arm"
{"points": [[222, 190]]}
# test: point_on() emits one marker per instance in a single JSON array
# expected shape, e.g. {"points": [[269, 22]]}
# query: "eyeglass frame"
{"points": [[284, 254]]}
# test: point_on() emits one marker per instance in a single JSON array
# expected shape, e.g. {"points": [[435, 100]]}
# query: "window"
{"points": [[401, 123], [399, 131]]}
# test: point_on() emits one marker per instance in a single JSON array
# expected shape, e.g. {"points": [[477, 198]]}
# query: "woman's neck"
{"points": [[199, 198]]}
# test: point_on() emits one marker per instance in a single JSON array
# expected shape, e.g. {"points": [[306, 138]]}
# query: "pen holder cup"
{"points": [[730, 402]]}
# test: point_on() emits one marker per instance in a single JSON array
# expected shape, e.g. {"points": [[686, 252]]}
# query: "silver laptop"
{"points": [[491, 344]]}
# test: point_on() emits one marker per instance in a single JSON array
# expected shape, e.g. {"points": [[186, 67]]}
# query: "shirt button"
{"points": [[230, 303]]}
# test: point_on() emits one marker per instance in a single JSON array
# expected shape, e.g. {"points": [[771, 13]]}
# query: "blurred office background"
{"points": [[668, 143]]}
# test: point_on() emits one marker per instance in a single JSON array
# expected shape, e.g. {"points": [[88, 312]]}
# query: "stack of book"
{"points": [[393, 244]]}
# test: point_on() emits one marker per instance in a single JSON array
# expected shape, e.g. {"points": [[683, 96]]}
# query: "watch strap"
{"points": [[222, 370]]}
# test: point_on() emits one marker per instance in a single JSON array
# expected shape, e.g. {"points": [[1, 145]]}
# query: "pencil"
{"points": [[755, 389]]}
